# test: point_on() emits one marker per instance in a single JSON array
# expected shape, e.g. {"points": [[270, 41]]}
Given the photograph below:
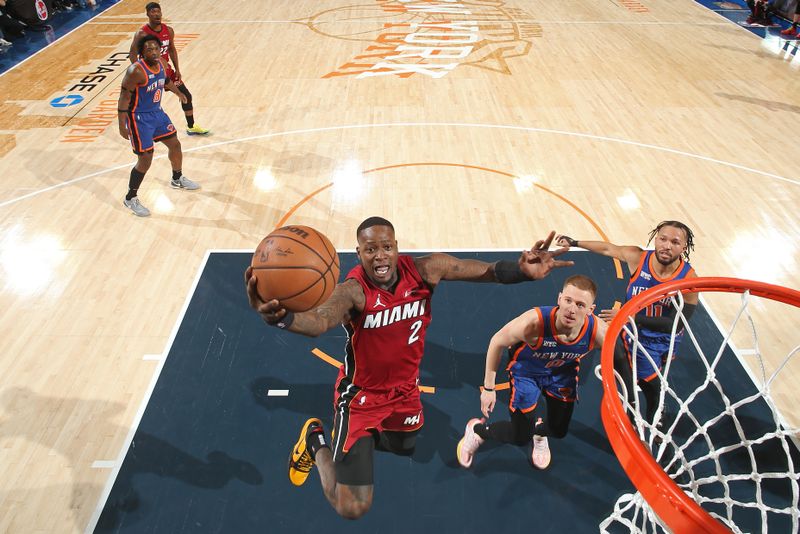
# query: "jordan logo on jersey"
{"points": [[378, 302]]}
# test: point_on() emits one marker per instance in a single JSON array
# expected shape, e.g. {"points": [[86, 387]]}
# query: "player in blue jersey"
{"points": [[673, 241], [545, 345], [143, 122]]}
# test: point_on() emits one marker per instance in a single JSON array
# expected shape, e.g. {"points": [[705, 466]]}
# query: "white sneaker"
{"points": [[469, 444], [184, 183], [136, 207], [540, 452]]}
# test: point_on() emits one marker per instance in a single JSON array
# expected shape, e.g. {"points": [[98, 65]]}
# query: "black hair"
{"points": [[679, 225], [146, 38], [151, 5], [373, 221]]}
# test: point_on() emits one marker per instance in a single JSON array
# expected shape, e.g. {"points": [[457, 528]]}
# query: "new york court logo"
{"points": [[427, 37]]}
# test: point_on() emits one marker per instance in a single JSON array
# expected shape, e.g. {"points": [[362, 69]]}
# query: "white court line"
{"points": [[278, 393], [381, 21], [145, 399], [417, 125]]}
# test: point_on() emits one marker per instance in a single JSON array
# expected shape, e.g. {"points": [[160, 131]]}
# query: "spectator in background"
{"points": [[3, 42], [791, 31], [760, 12], [69, 5], [9, 25]]}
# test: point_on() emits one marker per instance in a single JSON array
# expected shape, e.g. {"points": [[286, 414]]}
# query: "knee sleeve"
{"points": [[188, 105], [355, 468]]}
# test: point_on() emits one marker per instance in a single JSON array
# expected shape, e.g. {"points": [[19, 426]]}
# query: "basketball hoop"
{"points": [[673, 487]]}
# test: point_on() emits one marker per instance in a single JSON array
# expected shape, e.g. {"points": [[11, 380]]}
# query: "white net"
{"points": [[717, 433]]}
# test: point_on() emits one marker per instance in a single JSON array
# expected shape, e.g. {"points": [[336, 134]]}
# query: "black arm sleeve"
{"points": [[508, 272], [664, 323]]}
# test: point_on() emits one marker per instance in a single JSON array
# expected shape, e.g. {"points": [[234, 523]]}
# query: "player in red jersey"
{"points": [[384, 304], [168, 53]]}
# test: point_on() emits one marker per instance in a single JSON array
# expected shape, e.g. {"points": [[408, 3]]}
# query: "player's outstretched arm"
{"points": [[533, 264], [628, 254], [133, 77], [523, 328], [346, 299]]}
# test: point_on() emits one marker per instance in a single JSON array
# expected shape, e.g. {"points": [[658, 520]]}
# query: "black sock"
{"points": [[134, 183], [482, 429], [541, 429], [315, 441], [190, 120], [176, 175]]}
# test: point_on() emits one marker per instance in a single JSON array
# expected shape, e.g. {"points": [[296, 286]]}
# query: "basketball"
{"points": [[296, 265]]}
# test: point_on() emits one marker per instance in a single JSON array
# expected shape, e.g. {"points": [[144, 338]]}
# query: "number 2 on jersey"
{"points": [[415, 326]]}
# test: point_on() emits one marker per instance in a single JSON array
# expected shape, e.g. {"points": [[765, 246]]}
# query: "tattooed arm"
{"points": [[533, 264], [346, 301]]}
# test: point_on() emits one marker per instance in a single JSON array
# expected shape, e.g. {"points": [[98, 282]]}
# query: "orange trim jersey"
{"points": [[148, 95], [386, 341], [550, 355], [644, 278], [656, 344]]}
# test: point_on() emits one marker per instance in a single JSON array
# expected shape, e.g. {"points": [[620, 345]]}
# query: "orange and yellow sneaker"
{"points": [[300, 461]]}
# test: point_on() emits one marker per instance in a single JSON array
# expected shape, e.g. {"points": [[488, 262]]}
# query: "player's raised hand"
{"points": [[566, 241], [608, 315], [272, 312], [488, 400], [537, 262]]}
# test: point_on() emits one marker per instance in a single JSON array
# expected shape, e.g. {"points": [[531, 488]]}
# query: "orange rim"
{"points": [[679, 511]]}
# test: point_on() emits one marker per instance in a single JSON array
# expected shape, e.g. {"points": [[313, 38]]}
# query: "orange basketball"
{"points": [[296, 265]]}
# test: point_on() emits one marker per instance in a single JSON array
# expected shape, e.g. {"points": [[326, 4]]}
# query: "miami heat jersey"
{"points": [[148, 96], [644, 278], [386, 341], [550, 355], [163, 36]]}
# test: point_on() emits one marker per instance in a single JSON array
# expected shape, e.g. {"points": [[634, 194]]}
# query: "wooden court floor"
{"points": [[597, 119]]}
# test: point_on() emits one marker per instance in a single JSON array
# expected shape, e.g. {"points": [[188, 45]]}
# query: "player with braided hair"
{"points": [[673, 241]]}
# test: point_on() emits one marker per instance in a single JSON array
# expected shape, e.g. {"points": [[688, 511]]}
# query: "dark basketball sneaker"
{"points": [[300, 461]]}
